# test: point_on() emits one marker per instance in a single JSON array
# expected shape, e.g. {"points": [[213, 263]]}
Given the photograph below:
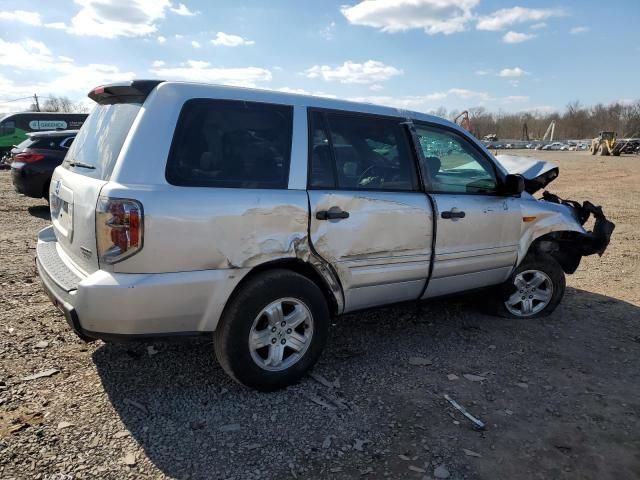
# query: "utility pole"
{"points": [[35, 98]]}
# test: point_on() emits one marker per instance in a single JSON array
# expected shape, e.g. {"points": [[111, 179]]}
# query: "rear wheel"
{"points": [[273, 330], [603, 150], [534, 289]]}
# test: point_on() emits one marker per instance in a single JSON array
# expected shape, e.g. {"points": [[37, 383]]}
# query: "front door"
{"points": [[477, 228], [369, 219]]}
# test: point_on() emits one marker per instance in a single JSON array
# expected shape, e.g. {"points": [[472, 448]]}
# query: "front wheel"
{"points": [[273, 331], [534, 289]]}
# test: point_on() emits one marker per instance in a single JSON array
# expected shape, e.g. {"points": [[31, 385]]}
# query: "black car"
{"points": [[35, 159]]}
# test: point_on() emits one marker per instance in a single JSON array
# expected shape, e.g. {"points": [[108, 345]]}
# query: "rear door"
{"points": [[369, 218], [478, 229], [76, 184]]}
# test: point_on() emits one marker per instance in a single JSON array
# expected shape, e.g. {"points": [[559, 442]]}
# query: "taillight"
{"points": [[28, 157], [119, 228]]}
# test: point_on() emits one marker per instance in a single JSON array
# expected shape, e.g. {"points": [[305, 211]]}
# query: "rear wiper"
{"points": [[81, 165]]}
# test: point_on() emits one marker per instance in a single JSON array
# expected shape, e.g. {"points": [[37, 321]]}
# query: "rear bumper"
{"points": [[29, 183], [108, 305]]}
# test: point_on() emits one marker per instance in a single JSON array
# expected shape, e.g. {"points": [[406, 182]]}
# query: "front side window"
{"points": [[231, 144], [352, 152], [453, 165]]}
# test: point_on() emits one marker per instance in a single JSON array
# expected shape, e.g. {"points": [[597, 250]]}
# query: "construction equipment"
{"points": [[492, 137], [525, 132], [551, 129], [605, 144], [464, 120]]}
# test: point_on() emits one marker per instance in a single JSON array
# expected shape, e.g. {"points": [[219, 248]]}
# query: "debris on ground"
{"points": [[471, 453], [420, 361], [474, 378], [441, 472], [129, 459], [45, 373], [478, 425], [137, 405]]}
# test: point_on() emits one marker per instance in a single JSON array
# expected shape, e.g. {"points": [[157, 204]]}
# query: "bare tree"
{"points": [[61, 104], [576, 122]]}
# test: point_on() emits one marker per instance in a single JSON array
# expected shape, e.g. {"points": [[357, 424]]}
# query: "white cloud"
{"points": [[482, 72], [229, 40], [376, 87], [177, 36], [505, 17], [327, 32], [432, 16], [512, 72], [516, 37], [578, 30], [161, 39], [182, 10], [195, 44], [515, 99], [58, 74], [56, 25], [201, 71], [425, 102], [157, 63], [118, 18], [302, 91], [371, 71], [22, 16], [538, 26]]}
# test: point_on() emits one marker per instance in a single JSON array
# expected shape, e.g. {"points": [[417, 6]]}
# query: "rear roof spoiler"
{"points": [[135, 91]]}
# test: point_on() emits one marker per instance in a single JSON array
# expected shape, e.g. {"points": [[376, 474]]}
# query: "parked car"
{"points": [[256, 216], [553, 146], [34, 160], [15, 127]]}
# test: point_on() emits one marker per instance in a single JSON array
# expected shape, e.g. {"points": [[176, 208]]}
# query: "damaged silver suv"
{"points": [[256, 216]]}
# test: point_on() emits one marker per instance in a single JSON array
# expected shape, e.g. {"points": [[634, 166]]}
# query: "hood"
{"points": [[537, 173]]}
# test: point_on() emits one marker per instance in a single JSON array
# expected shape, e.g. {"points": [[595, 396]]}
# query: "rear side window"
{"points": [[359, 152], [231, 144], [46, 142], [97, 145]]}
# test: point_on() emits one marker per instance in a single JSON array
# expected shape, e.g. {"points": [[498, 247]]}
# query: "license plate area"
{"points": [[61, 202]]}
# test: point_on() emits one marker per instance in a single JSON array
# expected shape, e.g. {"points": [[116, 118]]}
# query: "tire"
{"points": [[533, 269], [253, 313], [603, 151], [593, 150]]}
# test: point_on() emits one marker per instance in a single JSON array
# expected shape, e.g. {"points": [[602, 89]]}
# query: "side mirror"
{"points": [[513, 184]]}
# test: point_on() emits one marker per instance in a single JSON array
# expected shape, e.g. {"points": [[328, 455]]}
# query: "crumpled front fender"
{"points": [[541, 218]]}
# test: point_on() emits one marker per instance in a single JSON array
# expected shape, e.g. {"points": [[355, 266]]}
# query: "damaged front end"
{"points": [[555, 225], [568, 247]]}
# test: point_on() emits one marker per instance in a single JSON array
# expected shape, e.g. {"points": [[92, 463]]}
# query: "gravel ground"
{"points": [[560, 396]]}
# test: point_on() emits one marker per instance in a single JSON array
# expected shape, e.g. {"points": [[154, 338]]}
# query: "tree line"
{"points": [[576, 122]]}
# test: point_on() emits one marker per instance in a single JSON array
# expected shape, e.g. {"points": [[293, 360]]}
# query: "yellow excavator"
{"points": [[605, 144]]}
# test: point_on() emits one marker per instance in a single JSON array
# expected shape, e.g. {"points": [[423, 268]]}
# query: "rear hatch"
{"points": [[87, 167]]}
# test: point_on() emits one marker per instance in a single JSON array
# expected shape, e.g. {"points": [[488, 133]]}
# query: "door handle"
{"points": [[450, 215], [334, 213]]}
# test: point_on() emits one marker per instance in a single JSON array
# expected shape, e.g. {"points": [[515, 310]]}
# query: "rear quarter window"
{"points": [[231, 144], [96, 147]]}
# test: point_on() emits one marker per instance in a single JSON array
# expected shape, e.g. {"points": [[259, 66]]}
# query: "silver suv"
{"points": [[256, 216]]}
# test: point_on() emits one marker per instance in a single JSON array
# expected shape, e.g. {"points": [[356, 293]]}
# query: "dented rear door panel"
{"points": [[381, 252]]}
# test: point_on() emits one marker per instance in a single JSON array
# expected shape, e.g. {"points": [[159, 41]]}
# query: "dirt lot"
{"points": [[560, 396]]}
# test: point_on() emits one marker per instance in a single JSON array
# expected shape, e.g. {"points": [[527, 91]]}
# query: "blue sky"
{"points": [[419, 54]]}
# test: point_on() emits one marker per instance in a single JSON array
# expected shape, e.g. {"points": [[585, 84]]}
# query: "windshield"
{"points": [[96, 148]]}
